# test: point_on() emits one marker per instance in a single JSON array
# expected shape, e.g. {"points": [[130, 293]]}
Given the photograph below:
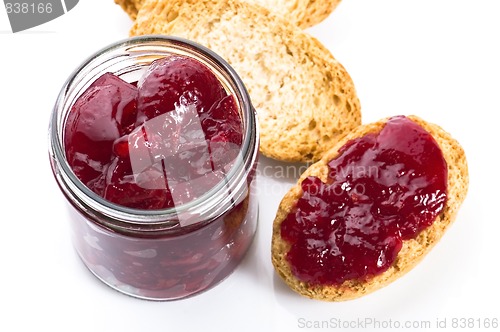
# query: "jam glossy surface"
{"points": [[382, 189], [156, 144]]}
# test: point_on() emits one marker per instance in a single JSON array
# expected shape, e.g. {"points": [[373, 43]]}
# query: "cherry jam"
{"points": [[154, 144], [382, 189], [144, 146]]}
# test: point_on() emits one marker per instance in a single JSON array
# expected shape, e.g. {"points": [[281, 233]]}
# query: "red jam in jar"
{"points": [[158, 145], [154, 144], [381, 189]]}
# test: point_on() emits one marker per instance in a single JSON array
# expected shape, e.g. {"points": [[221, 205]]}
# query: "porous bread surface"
{"points": [[131, 7], [412, 251], [303, 13], [303, 97]]}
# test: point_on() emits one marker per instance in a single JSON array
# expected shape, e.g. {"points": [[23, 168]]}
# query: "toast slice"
{"points": [[412, 251], [303, 13], [303, 97]]}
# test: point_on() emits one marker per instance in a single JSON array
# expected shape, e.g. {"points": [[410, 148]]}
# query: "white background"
{"points": [[434, 58]]}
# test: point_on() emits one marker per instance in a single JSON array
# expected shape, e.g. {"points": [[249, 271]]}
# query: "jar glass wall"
{"points": [[169, 253]]}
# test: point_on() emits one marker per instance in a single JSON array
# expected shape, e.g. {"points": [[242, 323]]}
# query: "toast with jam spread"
{"points": [[329, 253]]}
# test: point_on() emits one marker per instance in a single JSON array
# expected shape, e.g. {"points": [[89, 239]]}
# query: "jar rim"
{"points": [[116, 215]]}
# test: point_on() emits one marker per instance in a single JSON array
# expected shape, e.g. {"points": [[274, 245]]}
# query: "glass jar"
{"points": [[170, 253]]}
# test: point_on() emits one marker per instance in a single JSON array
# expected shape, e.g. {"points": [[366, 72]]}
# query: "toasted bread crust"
{"points": [[303, 13], [304, 98], [131, 7], [413, 250]]}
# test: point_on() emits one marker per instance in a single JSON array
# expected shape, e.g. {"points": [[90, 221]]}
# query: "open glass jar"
{"points": [[168, 253]]}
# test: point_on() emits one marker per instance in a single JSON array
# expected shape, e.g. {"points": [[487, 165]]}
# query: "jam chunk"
{"points": [[176, 81], [101, 115], [158, 142], [382, 189]]}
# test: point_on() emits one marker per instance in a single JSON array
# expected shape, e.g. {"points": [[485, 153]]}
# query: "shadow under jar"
{"points": [[175, 250]]}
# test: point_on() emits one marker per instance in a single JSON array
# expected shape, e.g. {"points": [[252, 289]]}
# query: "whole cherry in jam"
{"points": [[175, 81], [382, 188], [100, 116], [155, 143]]}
